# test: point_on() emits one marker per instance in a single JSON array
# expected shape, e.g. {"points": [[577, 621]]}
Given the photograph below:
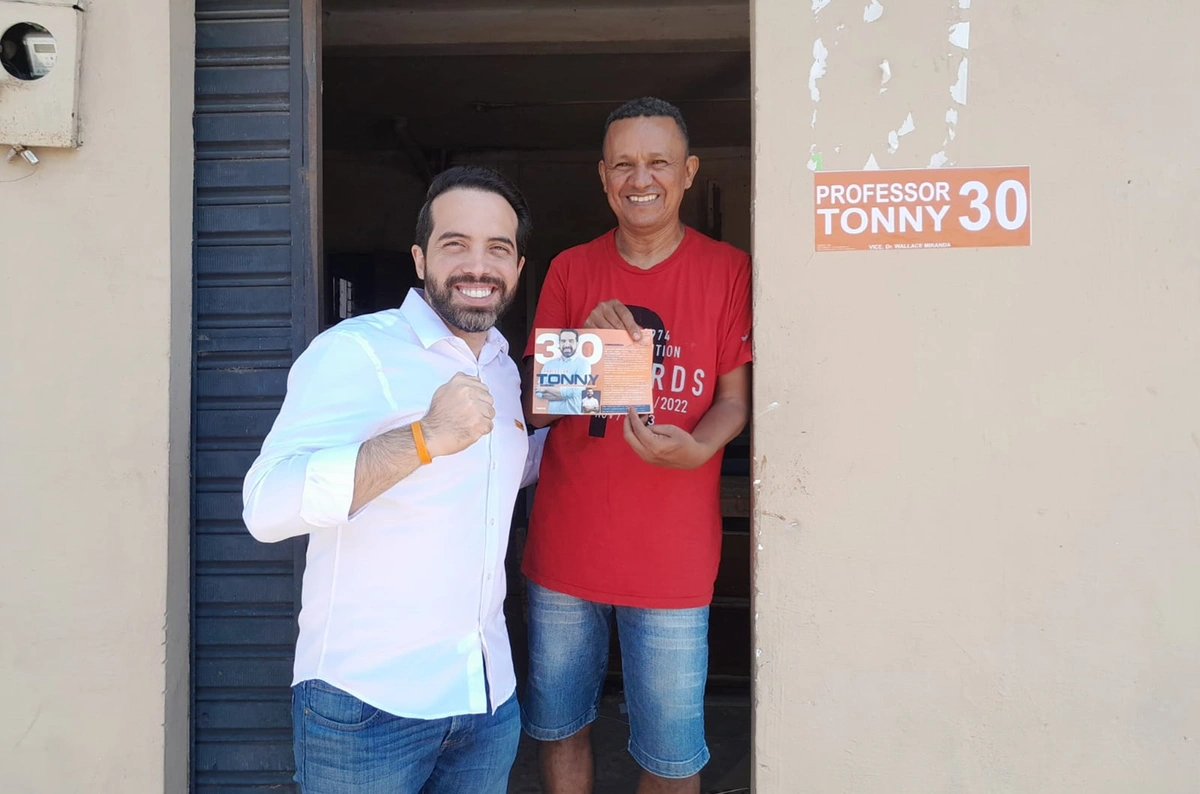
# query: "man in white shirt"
{"points": [[399, 451], [562, 378], [590, 402]]}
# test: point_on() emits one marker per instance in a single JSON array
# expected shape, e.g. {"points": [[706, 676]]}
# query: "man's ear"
{"points": [[690, 168], [419, 261]]}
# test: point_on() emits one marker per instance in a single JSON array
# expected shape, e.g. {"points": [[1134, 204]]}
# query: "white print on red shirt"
{"points": [[673, 384]]}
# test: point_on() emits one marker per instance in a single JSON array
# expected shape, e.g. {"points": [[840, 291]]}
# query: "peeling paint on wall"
{"points": [[960, 35], [951, 120], [895, 135], [956, 30], [819, 67], [958, 91]]}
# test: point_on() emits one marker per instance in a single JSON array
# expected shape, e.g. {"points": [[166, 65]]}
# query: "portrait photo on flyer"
{"points": [[591, 371]]}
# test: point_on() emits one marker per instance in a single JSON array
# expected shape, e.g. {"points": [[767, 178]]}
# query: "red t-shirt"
{"points": [[607, 526]]}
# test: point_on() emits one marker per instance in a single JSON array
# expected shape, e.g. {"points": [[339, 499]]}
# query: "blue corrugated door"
{"points": [[254, 303]]}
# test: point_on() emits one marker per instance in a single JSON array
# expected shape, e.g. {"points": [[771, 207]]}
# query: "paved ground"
{"points": [[728, 732]]}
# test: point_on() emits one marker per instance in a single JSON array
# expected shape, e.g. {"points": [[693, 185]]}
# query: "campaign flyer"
{"points": [[591, 371]]}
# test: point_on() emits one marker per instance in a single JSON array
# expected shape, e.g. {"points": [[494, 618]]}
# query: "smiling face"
{"points": [[645, 171], [568, 343], [470, 265]]}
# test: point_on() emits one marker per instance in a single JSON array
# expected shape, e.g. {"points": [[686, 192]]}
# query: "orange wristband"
{"points": [[419, 440]]}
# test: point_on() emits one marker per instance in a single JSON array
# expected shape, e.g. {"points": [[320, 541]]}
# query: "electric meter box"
{"points": [[40, 46]]}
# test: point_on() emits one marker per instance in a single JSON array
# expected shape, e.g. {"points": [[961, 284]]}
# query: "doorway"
{"points": [[410, 87]]}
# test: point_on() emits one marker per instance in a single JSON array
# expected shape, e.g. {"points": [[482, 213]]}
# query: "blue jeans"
{"points": [[664, 661], [344, 746]]}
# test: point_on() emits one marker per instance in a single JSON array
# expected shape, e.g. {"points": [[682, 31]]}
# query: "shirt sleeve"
{"points": [[552, 303], [303, 479], [533, 459], [737, 342]]}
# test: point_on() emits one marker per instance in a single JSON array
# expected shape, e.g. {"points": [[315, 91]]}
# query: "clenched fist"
{"points": [[461, 413]]}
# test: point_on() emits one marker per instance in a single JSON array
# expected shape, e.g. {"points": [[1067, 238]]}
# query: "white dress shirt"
{"points": [[402, 603]]}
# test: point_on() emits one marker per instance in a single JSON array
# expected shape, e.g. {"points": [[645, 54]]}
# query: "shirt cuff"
{"points": [[329, 486]]}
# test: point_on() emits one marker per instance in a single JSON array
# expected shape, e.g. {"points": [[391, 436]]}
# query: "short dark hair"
{"points": [[648, 107], [568, 331], [474, 177]]}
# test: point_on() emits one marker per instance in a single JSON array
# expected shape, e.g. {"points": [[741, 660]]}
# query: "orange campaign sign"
{"points": [[922, 208]]}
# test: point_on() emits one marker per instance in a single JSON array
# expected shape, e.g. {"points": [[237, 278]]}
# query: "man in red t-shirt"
{"points": [[627, 517]]}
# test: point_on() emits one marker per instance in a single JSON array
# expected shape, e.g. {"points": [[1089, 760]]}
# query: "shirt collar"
{"points": [[431, 328]]}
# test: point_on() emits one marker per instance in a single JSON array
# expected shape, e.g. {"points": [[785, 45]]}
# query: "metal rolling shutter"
{"points": [[253, 265]]}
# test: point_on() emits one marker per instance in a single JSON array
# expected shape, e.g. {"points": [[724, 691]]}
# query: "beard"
{"points": [[468, 319]]}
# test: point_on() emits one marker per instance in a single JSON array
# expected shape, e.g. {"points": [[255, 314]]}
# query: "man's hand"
{"points": [[668, 446], [460, 414], [613, 314], [550, 393]]}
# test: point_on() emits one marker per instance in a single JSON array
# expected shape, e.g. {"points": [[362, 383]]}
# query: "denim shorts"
{"points": [[664, 660], [346, 746]]}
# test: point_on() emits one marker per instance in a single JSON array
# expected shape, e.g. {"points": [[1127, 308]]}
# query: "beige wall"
{"points": [[980, 469], [95, 320]]}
